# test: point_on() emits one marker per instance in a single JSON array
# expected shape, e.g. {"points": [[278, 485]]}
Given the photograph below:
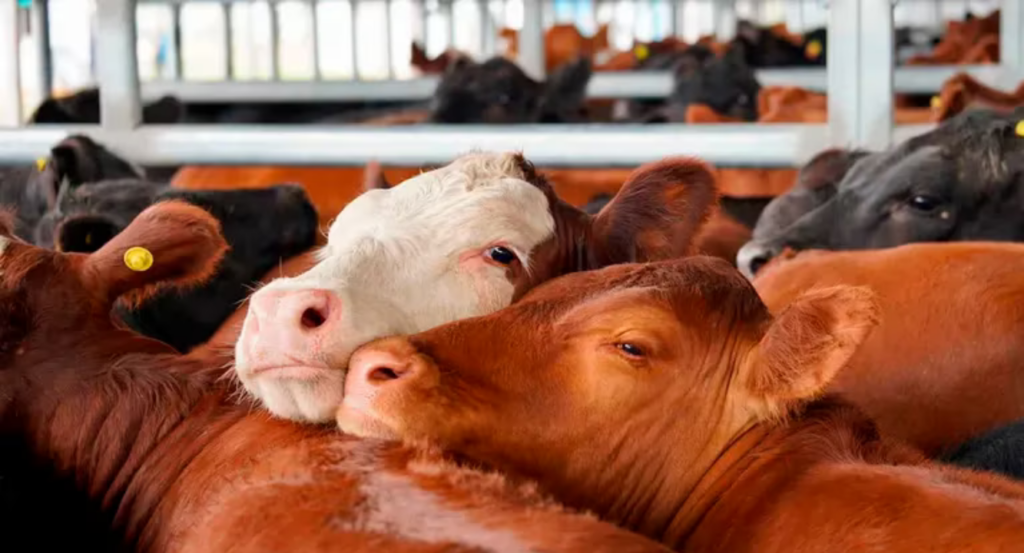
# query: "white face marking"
{"points": [[3, 244], [401, 261]]}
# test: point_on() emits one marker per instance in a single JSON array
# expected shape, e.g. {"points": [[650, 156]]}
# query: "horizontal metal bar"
{"points": [[920, 80], [548, 145]]}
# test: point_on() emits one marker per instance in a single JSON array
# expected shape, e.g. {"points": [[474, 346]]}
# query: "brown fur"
{"points": [[940, 368], [158, 443], [670, 436]]}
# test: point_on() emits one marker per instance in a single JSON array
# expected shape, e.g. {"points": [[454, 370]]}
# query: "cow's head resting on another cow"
{"points": [[57, 301], [962, 181], [634, 376], [460, 241], [498, 91]]}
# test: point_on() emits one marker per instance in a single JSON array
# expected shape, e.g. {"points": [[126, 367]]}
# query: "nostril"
{"points": [[312, 318], [757, 263], [384, 374]]}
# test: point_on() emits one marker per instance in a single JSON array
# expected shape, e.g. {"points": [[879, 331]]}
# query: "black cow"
{"points": [[1001, 450], [961, 181], [83, 107], [498, 91], [262, 226], [763, 48], [726, 84], [32, 191]]}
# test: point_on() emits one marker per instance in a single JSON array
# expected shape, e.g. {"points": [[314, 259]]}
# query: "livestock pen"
{"points": [[248, 247]]}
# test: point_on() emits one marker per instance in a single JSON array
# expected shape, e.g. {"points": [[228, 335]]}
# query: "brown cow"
{"points": [[158, 444], [666, 399], [945, 365]]}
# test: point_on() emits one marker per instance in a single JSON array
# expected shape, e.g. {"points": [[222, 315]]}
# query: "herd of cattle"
{"points": [[469, 361]]}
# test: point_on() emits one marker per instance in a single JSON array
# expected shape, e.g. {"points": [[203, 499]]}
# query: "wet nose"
{"points": [[291, 324], [753, 256], [383, 364]]}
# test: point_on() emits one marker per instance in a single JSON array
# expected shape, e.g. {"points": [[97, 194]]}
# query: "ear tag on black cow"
{"points": [[936, 102], [944, 215], [41, 164], [138, 259], [641, 51], [88, 239], [813, 49], [1019, 129]]}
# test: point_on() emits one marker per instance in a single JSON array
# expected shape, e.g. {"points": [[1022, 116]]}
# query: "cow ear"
{"points": [[84, 234], [656, 214], [806, 346], [373, 177], [827, 168], [51, 111], [565, 90], [169, 244]]}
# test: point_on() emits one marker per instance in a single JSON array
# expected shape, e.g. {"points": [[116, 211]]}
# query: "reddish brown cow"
{"points": [[158, 443], [685, 412], [945, 364], [563, 43]]}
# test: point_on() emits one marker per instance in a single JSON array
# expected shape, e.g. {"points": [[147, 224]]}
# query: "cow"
{"points": [[563, 44], [156, 449], [462, 240], [75, 160], [941, 368], [955, 182], [498, 91], [83, 107], [725, 83], [685, 412], [262, 226]]}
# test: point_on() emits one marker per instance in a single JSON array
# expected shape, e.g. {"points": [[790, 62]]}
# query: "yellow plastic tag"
{"points": [[1019, 129], [138, 259], [936, 102], [641, 51], [41, 164], [813, 49]]}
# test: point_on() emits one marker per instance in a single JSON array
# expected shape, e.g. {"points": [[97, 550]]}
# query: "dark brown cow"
{"points": [[158, 445], [666, 398]]}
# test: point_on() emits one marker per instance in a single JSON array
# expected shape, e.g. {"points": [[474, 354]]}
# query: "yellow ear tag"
{"points": [[138, 259], [41, 164], [936, 102], [1019, 129], [813, 49], [641, 51], [88, 239]]}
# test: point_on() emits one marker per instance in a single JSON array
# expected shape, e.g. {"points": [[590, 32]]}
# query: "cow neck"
{"points": [[107, 429]]}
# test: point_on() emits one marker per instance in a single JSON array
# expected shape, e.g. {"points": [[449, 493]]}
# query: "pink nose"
{"points": [[385, 364], [290, 325]]}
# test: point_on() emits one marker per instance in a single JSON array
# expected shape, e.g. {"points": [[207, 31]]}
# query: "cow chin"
{"points": [[303, 400]]}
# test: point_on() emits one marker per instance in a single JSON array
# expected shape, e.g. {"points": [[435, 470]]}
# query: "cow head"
{"points": [[52, 301], [262, 226], [961, 181], [452, 243], [624, 382], [815, 184], [724, 83], [83, 108], [498, 91]]}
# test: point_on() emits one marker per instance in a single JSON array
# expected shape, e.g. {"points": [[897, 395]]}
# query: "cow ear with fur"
{"points": [[169, 244], [373, 177], [565, 91], [657, 213], [51, 112], [829, 167], [165, 111], [806, 346]]}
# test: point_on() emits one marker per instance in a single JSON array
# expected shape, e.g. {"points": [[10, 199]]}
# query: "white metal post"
{"points": [[447, 16], [315, 31], [1011, 43], [117, 69], [487, 30], [353, 40], [531, 40], [229, 42], [41, 30], [387, 39], [860, 73], [10, 66], [275, 32], [179, 71], [723, 14]]}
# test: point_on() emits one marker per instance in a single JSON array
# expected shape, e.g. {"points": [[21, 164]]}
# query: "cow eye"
{"points": [[631, 350], [504, 99], [501, 254], [923, 203]]}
